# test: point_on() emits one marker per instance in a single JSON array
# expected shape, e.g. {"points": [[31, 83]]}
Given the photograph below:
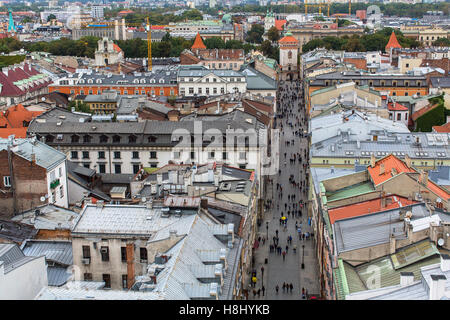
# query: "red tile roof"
{"points": [[198, 42], [390, 162], [441, 193], [279, 24], [422, 111], [396, 107], [116, 47], [366, 207], [288, 39], [442, 129], [393, 42], [17, 132], [15, 121]]}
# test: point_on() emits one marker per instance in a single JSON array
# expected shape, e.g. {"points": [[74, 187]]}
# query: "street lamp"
{"points": [[303, 257]]}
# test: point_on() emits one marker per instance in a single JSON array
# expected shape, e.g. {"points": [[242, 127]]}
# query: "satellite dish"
{"points": [[144, 199], [441, 242], [43, 98], [42, 199]]}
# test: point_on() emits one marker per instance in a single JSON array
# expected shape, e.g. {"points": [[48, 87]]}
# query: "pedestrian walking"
{"points": [[259, 293], [291, 286], [277, 288], [284, 286], [287, 248], [254, 293], [263, 290], [284, 255]]}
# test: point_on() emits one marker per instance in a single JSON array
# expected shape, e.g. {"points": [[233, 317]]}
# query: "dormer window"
{"points": [[75, 138], [103, 139], [98, 81], [116, 139], [81, 80], [49, 138], [142, 80], [151, 139], [132, 139], [90, 81], [161, 80], [136, 81], [152, 81], [87, 138]]}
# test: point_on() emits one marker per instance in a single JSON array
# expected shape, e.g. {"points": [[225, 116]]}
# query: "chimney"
{"points": [[204, 204], [408, 161], [33, 158], [425, 178], [445, 262], [383, 201], [437, 286], [372, 160], [392, 243], [381, 169], [406, 278]]}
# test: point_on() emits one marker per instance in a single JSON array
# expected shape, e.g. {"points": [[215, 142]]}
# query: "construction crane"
{"points": [[110, 24], [320, 5]]}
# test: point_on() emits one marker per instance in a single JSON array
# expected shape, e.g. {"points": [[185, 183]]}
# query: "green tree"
{"points": [[442, 42], [255, 34], [266, 47], [214, 43], [51, 17], [273, 34], [354, 45], [192, 15]]}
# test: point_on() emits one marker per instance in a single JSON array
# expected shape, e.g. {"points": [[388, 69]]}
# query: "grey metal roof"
{"points": [[373, 229], [259, 81], [59, 252], [158, 77], [61, 115], [12, 257], [200, 71], [443, 82], [50, 217], [432, 146], [57, 276], [46, 156]]}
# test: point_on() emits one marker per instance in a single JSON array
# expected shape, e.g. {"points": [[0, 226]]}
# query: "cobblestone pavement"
{"points": [[278, 271]]}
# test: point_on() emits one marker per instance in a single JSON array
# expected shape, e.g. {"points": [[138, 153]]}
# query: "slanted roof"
{"points": [[288, 38], [396, 107], [279, 24], [116, 48], [393, 42], [445, 128], [367, 207], [390, 162], [198, 42]]}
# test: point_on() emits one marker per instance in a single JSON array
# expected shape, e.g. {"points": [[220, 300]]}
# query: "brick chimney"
{"points": [[382, 169], [372, 160], [406, 278], [407, 161], [130, 265]]}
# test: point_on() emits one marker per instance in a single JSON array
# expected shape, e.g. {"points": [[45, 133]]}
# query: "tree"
{"points": [[214, 43], [266, 47], [27, 20], [273, 34], [51, 17], [255, 33], [192, 15], [442, 42], [354, 45]]}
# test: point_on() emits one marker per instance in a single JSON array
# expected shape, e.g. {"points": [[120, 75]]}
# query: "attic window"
{"points": [[87, 138], [103, 138], [116, 139], [49, 138]]}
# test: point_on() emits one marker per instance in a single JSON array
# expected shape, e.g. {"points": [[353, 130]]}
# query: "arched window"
{"points": [[87, 138], [49, 138], [116, 139], [132, 139], [290, 54], [103, 139], [75, 138]]}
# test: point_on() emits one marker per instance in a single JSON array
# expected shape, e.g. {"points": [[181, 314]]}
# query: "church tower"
{"points": [[289, 47]]}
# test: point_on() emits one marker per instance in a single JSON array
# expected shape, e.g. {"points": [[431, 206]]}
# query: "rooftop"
{"points": [[387, 168]]}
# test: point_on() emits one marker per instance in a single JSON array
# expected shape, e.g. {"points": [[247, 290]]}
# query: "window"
{"points": [[61, 192], [124, 281], [101, 154], [214, 80], [143, 254], [211, 155], [161, 92], [116, 154], [191, 90], [74, 154], [105, 253], [394, 83], [214, 90], [135, 154], [101, 168], [86, 252], [207, 90], [176, 155], [399, 116], [86, 138], [116, 139], [7, 181], [49, 138], [75, 138], [87, 277], [199, 90], [123, 254], [222, 90], [107, 280], [224, 155], [151, 139], [103, 138], [132, 139], [407, 65], [406, 84], [152, 154], [136, 168], [242, 156], [406, 94], [85, 154], [117, 168]]}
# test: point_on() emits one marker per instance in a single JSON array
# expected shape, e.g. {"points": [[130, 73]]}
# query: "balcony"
{"points": [[54, 184]]}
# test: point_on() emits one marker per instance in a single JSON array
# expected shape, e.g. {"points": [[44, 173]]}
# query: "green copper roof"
{"points": [[351, 191]]}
